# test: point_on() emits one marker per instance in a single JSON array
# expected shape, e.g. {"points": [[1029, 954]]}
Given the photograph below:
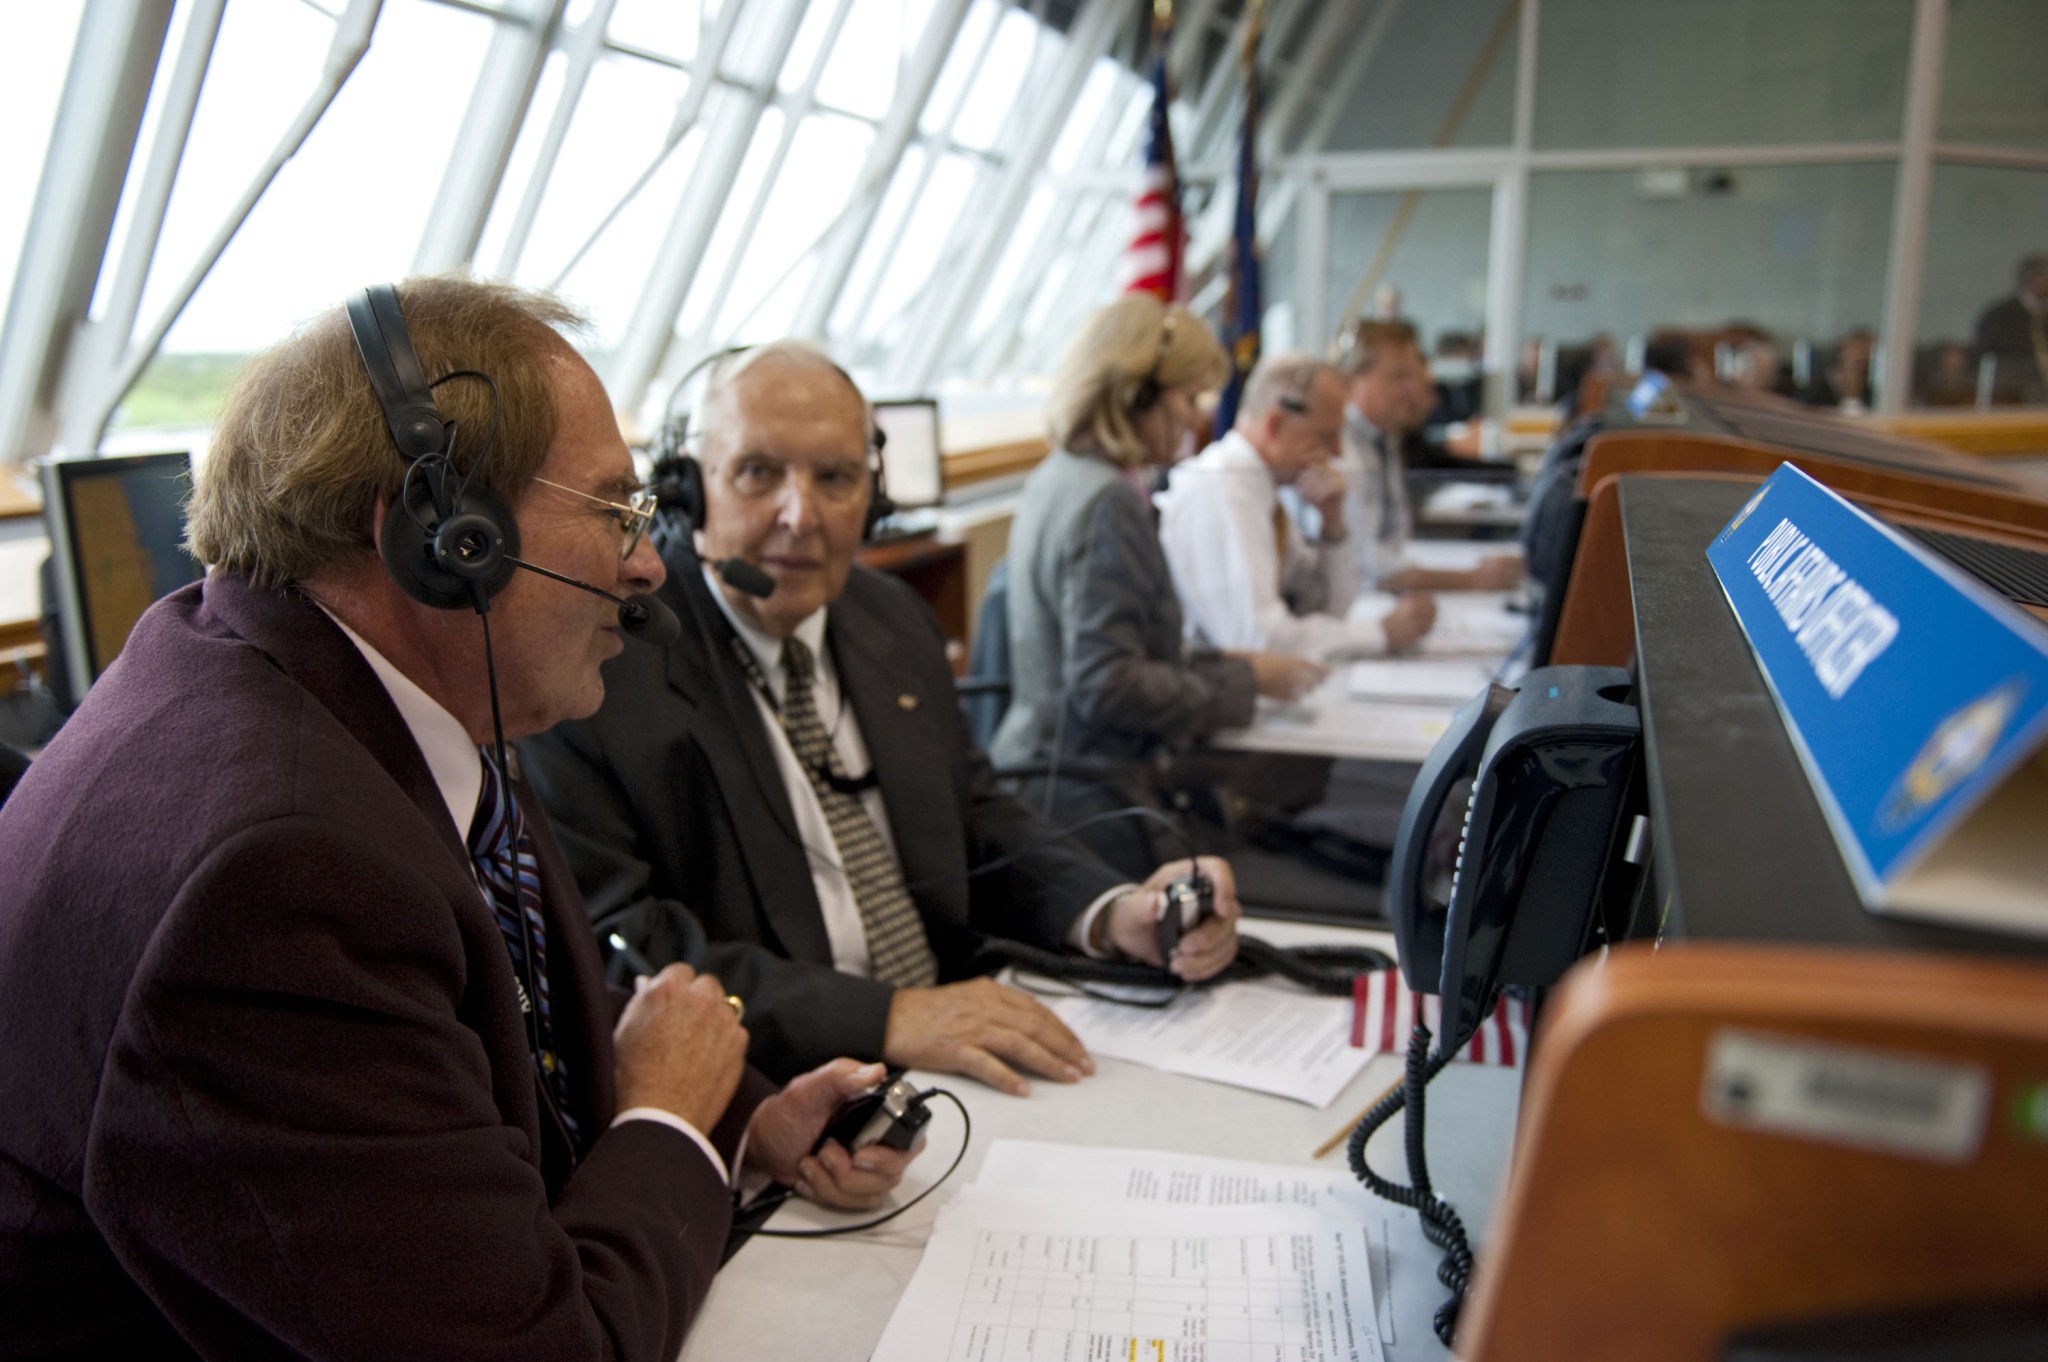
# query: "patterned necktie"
{"points": [[898, 953], [503, 855]]}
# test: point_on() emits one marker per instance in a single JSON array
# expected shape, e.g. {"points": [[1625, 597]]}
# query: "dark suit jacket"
{"points": [[2006, 329], [266, 1091], [671, 793]]}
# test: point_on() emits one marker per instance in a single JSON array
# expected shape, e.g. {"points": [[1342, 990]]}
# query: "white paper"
{"points": [[1425, 682], [1474, 624], [1022, 1276], [1258, 1036], [1161, 1178]]}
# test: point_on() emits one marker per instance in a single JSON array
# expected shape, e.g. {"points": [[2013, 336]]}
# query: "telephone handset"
{"points": [[1552, 765]]}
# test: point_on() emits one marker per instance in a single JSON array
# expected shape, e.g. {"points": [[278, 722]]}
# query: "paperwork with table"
{"points": [[1010, 1273], [1157, 1177], [1418, 680], [1266, 1037]]}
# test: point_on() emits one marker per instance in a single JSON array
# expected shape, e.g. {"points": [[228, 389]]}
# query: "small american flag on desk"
{"points": [[1383, 1013], [1159, 241]]}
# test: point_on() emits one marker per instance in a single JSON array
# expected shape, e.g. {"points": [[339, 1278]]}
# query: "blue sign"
{"points": [[1910, 689]]}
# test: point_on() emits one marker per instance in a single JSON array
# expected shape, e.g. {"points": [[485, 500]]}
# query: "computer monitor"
{"points": [[117, 528], [910, 455]]}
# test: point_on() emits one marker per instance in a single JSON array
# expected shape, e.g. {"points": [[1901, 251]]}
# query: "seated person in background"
{"points": [[2013, 330], [797, 771], [1845, 381], [1103, 685], [291, 1069], [1248, 575], [1388, 392]]}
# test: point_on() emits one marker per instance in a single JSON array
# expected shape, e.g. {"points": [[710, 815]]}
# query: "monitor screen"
{"points": [[910, 455], [117, 527]]}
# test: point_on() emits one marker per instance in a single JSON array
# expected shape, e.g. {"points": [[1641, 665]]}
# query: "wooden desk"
{"points": [[831, 1298]]}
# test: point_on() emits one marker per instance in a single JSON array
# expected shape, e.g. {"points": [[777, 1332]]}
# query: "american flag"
{"points": [[1383, 1012], [1159, 243]]}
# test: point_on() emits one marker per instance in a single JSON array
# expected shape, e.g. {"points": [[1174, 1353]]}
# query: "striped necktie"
{"points": [[502, 852], [898, 952]]}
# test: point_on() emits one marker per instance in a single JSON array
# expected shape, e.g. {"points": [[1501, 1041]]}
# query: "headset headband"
{"points": [[395, 374]]}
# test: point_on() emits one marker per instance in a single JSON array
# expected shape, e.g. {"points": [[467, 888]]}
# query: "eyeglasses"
{"points": [[632, 518]]}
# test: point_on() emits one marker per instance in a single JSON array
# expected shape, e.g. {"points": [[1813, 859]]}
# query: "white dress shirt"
{"points": [[457, 768], [1238, 589], [1376, 507], [843, 927]]}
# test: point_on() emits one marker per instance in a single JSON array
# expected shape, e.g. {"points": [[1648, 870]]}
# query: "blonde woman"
{"points": [[1101, 673]]}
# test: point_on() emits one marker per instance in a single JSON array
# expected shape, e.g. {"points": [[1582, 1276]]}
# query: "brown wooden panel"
{"points": [[935, 570], [1635, 1226]]}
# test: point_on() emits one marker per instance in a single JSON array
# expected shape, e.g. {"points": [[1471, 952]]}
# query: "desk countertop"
{"points": [[849, 1287]]}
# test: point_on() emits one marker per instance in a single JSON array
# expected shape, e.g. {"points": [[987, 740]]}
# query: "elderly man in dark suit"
{"points": [[293, 1066], [797, 772]]}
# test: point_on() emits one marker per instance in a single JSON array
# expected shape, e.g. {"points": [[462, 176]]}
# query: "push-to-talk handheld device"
{"points": [[889, 1114]]}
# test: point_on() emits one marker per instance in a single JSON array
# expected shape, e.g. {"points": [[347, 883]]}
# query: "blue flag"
{"points": [[1241, 307]]}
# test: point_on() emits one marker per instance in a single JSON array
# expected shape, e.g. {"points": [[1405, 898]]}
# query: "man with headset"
{"points": [[309, 1051], [1247, 574], [797, 772]]}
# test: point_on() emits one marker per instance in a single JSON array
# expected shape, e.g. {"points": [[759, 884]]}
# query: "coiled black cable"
{"points": [[1326, 970], [1440, 1224]]}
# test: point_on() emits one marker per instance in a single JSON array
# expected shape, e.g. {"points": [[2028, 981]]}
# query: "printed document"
{"points": [[1156, 1177], [1021, 1275], [1266, 1037]]}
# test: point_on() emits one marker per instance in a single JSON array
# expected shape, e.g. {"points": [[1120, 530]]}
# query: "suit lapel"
{"points": [[897, 718], [737, 746]]}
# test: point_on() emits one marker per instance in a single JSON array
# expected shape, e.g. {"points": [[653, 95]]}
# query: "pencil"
{"points": [[1342, 1135]]}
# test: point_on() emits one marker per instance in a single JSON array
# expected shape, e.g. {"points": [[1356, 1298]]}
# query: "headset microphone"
{"points": [[741, 575], [640, 614]]}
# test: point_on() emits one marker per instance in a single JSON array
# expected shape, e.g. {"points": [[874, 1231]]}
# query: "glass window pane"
{"points": [[1993, 86], [1429, 246], [723, 247], [1799, 251], [817, 179], [988, 100], [879, 36], [299, 253], [33, 63], [810, 37], [1720, 72], [960, 65], [614, 137], [667, 27], [1104, 79], [996, 300], [927, 229], [850, 309], [1982, 222], [1443, 75]]}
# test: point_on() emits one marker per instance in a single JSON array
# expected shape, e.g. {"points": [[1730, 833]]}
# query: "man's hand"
{"points": [[980, 1028], [1282, 676], [788, 1124], [1412, 617], [1134, 922], [1323, 487], [679, 1046], [1497, 572]]}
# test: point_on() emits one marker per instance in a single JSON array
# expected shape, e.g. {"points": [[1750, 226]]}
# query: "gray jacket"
{"points": [[1094, 621]]}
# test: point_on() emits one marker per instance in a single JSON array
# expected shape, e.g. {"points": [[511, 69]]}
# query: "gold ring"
{"points": [[738, 1006]]}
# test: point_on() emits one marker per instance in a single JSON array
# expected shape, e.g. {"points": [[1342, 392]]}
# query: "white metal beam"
{"points": [[91, 144], [675, 265], [1087, 39], [585, 46], [490, 127], [913, 91], [1507, 247], [1909, 206]]}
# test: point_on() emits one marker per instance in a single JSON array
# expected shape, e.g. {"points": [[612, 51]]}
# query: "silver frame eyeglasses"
{"points": [[636, 513]]}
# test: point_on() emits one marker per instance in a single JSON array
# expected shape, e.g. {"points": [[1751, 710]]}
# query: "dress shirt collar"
{"points": [[1362, 426], [766, 648], [1231, 451], [452, 757]]}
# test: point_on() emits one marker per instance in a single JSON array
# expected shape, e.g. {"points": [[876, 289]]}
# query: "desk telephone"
{"points": [[1550, 815]]}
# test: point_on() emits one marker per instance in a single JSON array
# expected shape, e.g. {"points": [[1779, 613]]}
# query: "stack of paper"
{"points": [[1417, 681], [1061, 1251]]}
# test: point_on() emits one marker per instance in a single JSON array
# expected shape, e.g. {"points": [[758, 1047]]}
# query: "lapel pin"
{"points": [[906, 701]]}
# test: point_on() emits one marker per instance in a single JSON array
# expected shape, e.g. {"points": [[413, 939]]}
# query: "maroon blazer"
{"points": [[264, 1086]]}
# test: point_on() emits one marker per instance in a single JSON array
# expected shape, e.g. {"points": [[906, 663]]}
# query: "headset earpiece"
{"points": [[880, 508], [446, 544]]}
